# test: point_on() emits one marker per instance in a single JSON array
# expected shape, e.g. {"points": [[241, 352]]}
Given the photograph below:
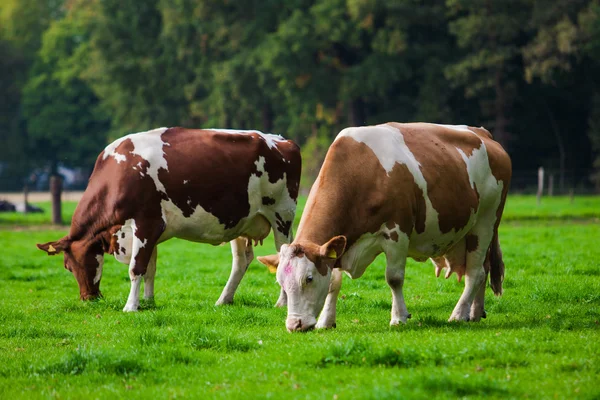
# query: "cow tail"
{"points": [[496, 265]]}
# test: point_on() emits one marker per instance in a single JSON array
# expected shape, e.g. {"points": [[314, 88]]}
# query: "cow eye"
{"points": [[309, 279]]}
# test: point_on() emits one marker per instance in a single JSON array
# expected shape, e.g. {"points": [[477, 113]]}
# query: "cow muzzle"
{"points": [[90, 296], [300, 324]]}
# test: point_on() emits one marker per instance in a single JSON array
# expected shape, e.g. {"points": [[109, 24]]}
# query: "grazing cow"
{"points": [[209, 186], [408, 190]]}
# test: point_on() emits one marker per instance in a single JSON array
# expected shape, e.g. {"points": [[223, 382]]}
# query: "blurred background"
{"points": [[76, 74]]}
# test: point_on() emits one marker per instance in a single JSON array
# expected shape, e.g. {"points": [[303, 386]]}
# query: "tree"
{"points": [[64, 121], [488, 33], [22, 23]]}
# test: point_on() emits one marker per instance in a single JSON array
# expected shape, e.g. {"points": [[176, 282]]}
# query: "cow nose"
{"points": [[294, 324]]}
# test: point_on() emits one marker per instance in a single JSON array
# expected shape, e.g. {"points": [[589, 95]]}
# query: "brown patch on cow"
{"points": [[444, 170], [225, 170], [394, 236], [317, 254], [471, 242]]}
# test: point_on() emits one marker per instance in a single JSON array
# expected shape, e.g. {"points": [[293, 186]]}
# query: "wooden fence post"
{"points": [[55, 191], [25, 197], [540, 191]]}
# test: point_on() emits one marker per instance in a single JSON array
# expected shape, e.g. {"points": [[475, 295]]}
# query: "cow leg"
{"points": [[145, 237], [239, 251], [475, 278], [280, 239], [327, 317], [149, 278], [394, 275], [477, 308]]}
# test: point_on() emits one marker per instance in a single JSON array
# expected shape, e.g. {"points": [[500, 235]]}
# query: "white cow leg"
{"points": [[477, 308], [327, 317], [145, 236], [133, 301], [475, 278], [281, 239], [394, 275], [238, 269], [149, 278]]}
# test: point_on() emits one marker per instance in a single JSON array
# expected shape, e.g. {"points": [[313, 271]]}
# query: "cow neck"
{"points": [[89, 219], [326, 215]]}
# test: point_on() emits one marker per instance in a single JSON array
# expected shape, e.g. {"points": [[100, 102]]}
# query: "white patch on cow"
{"points": [[185, 181], [125, 242], [147, 145], [489, 189], [100, 259], [270, 138], [462, 128], [389, 146], [138, 243]]}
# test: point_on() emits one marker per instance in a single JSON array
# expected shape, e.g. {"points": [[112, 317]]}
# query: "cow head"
{"points": [[84, 259], [303, 271]]}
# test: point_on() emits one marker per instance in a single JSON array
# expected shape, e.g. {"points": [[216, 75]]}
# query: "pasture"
{"points": [[540, 339]]}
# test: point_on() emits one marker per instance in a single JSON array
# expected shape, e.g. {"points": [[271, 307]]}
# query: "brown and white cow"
{"points": [[408, 190], [210, 186]]}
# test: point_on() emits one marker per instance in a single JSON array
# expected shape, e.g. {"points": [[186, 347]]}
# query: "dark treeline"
{"points": [[75, 74]]}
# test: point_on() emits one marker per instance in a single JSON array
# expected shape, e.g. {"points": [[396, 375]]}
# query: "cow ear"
{"points": [[271, 262], [333, 249], [54, 248]]}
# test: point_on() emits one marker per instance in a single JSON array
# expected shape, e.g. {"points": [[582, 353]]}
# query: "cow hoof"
{"points": [[223, 302], [326, 326], [129, 308], [484, 315], [458, 318]]}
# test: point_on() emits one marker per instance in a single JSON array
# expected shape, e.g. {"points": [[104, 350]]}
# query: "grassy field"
{"points": [[540, 340]]}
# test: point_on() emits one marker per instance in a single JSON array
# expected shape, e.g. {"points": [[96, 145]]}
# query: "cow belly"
{"points": [[433, 243], [204, 227]]}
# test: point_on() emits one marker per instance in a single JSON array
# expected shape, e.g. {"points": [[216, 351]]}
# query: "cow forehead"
{"points": [[270, 138]]}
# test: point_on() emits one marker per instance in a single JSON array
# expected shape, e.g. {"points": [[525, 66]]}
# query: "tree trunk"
{"points": [[357, 115], [267, 118], [501, 121], [55, 193], [25, 197], [561, 148]]}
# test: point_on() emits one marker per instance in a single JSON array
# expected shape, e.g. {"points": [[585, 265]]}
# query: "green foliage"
{"points": [[539, 339], [78, 73]]}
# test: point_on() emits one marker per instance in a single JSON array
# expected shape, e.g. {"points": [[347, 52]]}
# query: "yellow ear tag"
{"points": [[332, 254], [272, 269], [51, 249]]}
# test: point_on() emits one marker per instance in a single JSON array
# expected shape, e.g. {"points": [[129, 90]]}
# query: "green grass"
{"points": [[557, 207], [540, 339]]}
